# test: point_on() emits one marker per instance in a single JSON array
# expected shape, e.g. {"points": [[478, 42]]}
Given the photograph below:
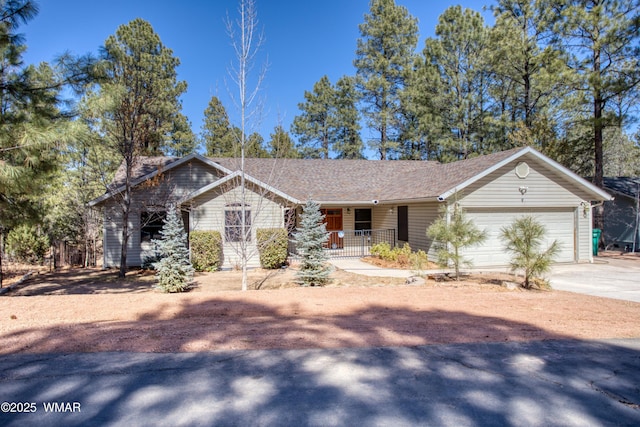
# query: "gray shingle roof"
{"points": [[347, 180], [364, 180], [623, 185], [144, 165]]}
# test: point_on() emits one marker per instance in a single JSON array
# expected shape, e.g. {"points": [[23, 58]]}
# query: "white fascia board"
{"points": [[598, 192], [100, 199], [344, 203]]}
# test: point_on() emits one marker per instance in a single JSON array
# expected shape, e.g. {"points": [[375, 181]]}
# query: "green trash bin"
{"points": [[596, 239]]}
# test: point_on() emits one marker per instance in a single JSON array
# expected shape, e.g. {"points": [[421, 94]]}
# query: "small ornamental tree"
{"points": [[310, 238], [26, 244], [174, 270], [452, 235], [524, 238]]}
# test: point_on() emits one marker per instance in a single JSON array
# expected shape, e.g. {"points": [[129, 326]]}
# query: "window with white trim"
{"points": [[233, 225]]}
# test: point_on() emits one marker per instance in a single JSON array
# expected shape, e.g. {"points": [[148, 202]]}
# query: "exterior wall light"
{"points": [[585, 209]]}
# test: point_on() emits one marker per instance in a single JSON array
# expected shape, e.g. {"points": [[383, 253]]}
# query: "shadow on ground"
{"points": [[555, 382], [487, 370], [234, 323], [533, 384], [79, 281]]}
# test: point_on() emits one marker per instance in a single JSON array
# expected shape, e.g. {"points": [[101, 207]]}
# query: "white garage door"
{"points": [[559, 225]]}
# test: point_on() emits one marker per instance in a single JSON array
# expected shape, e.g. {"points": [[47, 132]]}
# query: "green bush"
{"points": [[383, 251], [524, 239], [419, 260], [272, 245], [402, 255], [452, 232], [206, 250], [26, 244], [397, 254], [174, 270]]}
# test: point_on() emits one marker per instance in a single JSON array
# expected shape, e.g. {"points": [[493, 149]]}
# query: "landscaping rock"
{"points": [[415, 281]]}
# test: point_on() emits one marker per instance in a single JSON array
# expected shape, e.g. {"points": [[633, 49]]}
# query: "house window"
{"points": [[362, 219], [403, 223], [233, 225], [150, 225]]}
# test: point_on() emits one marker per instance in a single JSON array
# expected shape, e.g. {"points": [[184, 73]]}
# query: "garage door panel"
{"points": [[559, 226]]}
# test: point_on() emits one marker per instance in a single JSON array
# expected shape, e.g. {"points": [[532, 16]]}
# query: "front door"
{"points": [[333, 222]]}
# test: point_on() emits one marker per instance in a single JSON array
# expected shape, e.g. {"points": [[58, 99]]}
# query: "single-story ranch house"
{"points": [[364, 201]]}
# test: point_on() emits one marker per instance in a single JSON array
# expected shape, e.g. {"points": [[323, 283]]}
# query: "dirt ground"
{"points": [[90, 310]]}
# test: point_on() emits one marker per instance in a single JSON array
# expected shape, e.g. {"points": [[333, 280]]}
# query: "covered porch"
{"points": [[354, 230]]}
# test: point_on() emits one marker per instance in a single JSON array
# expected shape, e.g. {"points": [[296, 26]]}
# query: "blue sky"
{"points": [[304, 40]]}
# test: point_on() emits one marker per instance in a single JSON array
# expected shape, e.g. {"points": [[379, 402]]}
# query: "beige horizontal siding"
{"points": [[584, 235], [163, 189], [113, 237], [174, 184], [544, 187], [208, 214], [421, 216], [384, 217]]}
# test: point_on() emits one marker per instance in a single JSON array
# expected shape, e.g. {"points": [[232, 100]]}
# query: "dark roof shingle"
{"points": [[623, 185], [346, 180], [364, 180]]}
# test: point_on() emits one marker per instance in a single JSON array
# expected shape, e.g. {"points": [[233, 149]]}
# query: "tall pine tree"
{"points": [[315, 126], [601, 37], [137, 103], [528, 76], [329, 123], [348, 143], [281, 145], [218, 135], [31, 125], [384, 58], [457, 54]]}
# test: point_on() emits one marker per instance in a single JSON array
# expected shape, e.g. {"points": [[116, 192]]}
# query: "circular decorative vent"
{"points": [[522, 170]]}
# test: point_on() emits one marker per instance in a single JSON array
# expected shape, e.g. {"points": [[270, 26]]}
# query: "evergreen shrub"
{"points": [[206, 250], [26, 244], [401, 255], [272, 246], [310, 240], [524, 239], [174, 270]]}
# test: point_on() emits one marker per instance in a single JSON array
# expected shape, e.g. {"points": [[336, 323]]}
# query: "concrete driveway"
{"points": [[606, 277]]}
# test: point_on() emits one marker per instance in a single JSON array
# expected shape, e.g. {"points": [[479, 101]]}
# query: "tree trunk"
{"points": [[598, 105], [383, 142], [1, 253], [126, 208]]}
